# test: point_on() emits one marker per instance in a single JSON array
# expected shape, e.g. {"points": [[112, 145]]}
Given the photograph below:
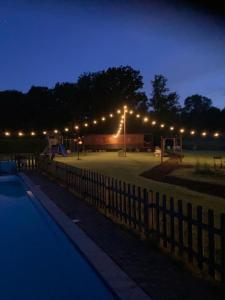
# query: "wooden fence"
{"points": [[24, 161], [192, 234]]}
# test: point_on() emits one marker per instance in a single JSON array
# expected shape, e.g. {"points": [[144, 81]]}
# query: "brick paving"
{"points": [[156, 273]]}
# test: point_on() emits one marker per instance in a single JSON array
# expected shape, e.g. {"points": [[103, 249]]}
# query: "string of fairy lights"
{"points": [[154, 123], [122, 113]]}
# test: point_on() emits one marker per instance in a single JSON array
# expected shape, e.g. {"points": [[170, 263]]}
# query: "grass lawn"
{"points": [[201, 157], [129, 169]]}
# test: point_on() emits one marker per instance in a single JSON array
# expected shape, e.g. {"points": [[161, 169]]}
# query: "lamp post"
{"points": [[79, 142]]}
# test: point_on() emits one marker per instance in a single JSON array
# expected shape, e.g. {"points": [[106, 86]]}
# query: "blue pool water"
{"points": [[37, 260]]}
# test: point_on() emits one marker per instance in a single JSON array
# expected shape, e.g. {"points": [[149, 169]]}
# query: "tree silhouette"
{"points": [[164, 104]]}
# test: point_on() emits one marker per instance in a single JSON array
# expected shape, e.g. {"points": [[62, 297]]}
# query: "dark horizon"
{"points": [[45, 42]]}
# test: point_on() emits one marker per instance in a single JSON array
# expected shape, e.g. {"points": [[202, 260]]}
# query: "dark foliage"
{"points": [[92, 95], [96, 94]]}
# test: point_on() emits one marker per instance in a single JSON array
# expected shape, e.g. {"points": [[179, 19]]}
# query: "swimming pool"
{"points": [[37, 260]]}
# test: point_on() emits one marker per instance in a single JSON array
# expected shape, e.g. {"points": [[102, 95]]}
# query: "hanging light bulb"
{"points": [[7, 133], [145, 119], [216, 134], [204, 133]]}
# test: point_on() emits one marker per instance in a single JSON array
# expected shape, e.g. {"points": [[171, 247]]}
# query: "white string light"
{"points": [[145, 119]]}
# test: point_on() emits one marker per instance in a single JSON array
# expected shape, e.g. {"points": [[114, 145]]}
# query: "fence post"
{"points": [[129, 204], [157, 216], [190, 233], [164, 219], [222, 232], [146, 213], [124, 206], [211, 243], [134, 209], [199, 237], [139, 208], [180, 227], [172, 230]]}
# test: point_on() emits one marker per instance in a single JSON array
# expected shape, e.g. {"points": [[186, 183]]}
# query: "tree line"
{"points": [[97, 93]]}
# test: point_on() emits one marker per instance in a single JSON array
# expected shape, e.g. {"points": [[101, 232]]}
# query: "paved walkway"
{"points": [[158, 275]]}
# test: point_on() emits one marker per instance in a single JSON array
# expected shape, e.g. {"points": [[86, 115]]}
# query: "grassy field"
{"points": [[129, 169], [201, 158]]}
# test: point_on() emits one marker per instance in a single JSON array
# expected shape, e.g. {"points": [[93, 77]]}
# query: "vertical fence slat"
{"points": [[134, 202], [199, 238], [129, 204], [172, 230], [211, 243], [222, 243], [180, 228], [189, 232], [157, 214], [146, 213], [164, 220]]}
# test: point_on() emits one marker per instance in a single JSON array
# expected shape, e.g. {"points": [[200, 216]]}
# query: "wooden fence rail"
{"points": [[24, 161], [182, 230]]}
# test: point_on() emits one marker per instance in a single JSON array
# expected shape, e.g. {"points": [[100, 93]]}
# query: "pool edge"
{"points": [[115, 278]]}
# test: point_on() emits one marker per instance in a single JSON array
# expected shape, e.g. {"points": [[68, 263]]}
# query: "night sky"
{"points": [[44, 42]]}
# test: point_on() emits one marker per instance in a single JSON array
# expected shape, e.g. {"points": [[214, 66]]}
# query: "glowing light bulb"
{"points": [[145, 119], [85, 124], [7, 133], [56, 131], [162, 125], [32, 133], [103, 119], [153, 123], [137, 116], [192, 132], [216, 134], [182, 130], [95, 122], [171, 128], [131, 112], [111, 115], [204, 133], [44, 132], [66, 129], [76, 127], [20, 133], [119, 111]]}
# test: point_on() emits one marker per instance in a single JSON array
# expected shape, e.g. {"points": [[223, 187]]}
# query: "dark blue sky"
{"points": [[44, 42]]}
